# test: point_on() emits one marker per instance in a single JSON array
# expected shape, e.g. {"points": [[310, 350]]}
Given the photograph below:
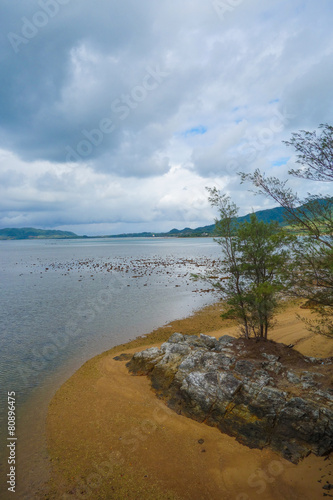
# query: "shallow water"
{"points": [[64, 301]]}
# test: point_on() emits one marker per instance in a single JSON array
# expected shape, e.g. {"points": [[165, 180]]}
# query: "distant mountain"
{"points": [[276, 214], [26, 233], [269, 215]]}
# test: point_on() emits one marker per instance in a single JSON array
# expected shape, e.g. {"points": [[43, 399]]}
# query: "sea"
{"points": [[65, 301]]}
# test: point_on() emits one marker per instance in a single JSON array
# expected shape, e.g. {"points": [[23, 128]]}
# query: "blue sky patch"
{"points": [[280, 161], [199, 130]]}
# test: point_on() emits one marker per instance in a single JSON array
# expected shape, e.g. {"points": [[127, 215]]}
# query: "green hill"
{"points": [[276, 214], [269, 215], [26, 233]]}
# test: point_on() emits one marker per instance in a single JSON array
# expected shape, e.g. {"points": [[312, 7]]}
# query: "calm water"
{"points": [[63, 302]]}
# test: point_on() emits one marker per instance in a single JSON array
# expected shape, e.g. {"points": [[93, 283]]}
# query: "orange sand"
{"points": [[110, 437]]}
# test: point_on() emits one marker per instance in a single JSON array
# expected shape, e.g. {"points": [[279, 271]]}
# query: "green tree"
{"points": [[255, 259], [311, 218], [314, 153]]}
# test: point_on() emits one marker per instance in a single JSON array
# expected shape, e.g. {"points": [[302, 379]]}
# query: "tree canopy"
{"points": [[312, 218], [254, 267]]}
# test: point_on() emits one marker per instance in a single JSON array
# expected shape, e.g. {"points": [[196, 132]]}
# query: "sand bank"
{"points": [[110, 437]]}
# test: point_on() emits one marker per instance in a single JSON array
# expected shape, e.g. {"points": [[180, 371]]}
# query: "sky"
{"points": [[116, 116]]}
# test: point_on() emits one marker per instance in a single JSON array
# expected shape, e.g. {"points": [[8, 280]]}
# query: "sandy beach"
{"points": [[109, 436]]}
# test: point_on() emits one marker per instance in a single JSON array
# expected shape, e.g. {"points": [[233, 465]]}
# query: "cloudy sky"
{"points": [[114, 116]]}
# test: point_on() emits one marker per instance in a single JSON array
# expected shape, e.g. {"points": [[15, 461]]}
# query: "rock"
{"points": [[303, 423], [245, 367], [172, 348], [194, 341], [262, 378], [199, 391], [293, 378], [270, 357], [226, 340], [176, 337], [284, 402], [228, 385], [208, 341], [308, 379], [216, 361], [274, 366], [143, 362], [191, 362]]}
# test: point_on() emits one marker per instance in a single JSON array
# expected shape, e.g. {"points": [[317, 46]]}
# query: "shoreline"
{"points": [[108, 434]]}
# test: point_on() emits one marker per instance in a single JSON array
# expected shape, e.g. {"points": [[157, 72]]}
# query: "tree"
{"points": [[314, 153], [311, 219], [255, 260]]}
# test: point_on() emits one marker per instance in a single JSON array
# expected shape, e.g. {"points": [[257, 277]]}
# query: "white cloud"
{"points": [[115, 86]]}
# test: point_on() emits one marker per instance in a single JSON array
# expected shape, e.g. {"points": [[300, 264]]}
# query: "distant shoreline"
{"points": [[117, 236], [39, 234], [268, 215]]}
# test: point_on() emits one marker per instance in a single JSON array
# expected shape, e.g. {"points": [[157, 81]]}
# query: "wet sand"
{"points": [[110, 437]]}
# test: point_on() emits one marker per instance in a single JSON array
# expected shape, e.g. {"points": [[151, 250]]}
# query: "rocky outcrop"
{"points": [[263, 393]]}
